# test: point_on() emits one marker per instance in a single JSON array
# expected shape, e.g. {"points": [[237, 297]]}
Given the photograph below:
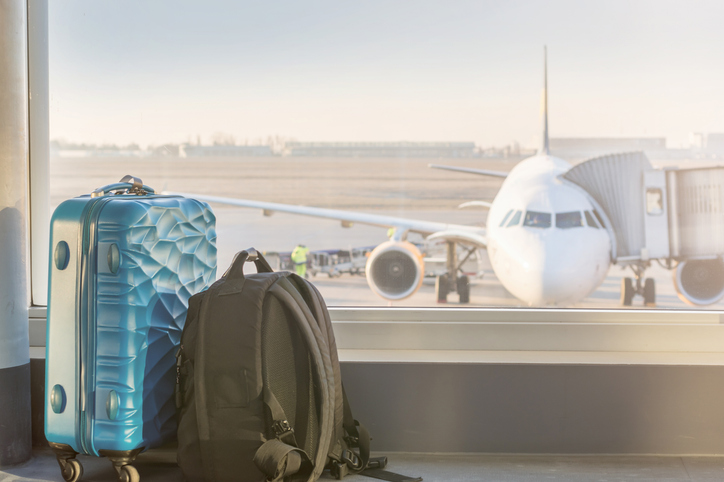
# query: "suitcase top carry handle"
{"points": [[236, 270], [127, 185]]}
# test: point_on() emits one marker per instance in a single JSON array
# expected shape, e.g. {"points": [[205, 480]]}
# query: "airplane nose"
{"points": [[555, 278], [554, 271]]}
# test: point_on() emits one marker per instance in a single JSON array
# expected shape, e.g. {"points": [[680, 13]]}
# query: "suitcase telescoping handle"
{"points": [[127, 185], [236, 270]]}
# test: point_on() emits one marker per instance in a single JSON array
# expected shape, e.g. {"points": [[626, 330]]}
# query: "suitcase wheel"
{"points": [[71, 469], [122, 461], [128, 473]]}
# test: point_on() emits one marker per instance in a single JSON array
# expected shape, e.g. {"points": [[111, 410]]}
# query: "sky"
{"points": [[158, 71]]}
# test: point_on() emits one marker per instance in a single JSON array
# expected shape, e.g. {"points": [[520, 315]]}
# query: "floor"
{"points": [[160, 465]]}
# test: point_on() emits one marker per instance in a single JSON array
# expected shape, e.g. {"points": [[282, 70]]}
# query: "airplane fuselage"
{"points": [[546, 242]]}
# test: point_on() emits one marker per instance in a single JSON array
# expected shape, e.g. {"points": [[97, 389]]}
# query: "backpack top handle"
{"points": [[236, 270]]}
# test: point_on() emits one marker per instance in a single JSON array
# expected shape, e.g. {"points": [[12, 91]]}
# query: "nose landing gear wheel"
{"points": [[649, 292], [627, 291]]}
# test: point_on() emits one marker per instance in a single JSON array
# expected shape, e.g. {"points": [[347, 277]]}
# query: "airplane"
{"points": [[546, 239]]}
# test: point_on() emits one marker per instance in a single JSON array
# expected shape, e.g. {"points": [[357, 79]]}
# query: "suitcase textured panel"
{"points": [[123, 268]]}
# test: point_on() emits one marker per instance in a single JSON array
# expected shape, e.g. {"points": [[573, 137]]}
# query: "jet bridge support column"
{"points": [[15, 418]]}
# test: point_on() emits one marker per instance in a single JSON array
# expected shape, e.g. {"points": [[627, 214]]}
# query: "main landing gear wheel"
{"points": [[650, 292], [464, 289], [442, 288], [627, 291], [71, 469]]}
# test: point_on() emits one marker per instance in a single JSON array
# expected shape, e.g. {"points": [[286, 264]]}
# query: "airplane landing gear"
{"points": [[449, 282], [638, 286], [443, 287]]}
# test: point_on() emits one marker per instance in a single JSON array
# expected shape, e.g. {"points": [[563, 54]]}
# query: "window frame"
{"points": [[516, 335]]}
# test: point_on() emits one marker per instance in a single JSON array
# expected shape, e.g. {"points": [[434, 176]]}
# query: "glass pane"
{"points": [[589, 219], [515, 220], [569, 220], [506, 217], [411, 132], [654, 202], [599, 219], [537, 220]]}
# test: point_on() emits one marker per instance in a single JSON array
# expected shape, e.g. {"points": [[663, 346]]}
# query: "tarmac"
{"points": [[403, 187]]}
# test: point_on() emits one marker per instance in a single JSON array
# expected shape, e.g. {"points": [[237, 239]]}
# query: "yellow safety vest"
{"points": [[299, 255]]}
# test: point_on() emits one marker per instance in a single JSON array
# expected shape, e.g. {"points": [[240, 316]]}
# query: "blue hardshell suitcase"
{"points": [[124, 262]]}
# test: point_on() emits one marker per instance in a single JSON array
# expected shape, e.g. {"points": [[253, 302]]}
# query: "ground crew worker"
{"points": [[299, 258]]}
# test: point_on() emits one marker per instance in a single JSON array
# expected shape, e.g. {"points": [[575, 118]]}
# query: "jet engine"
{"points": [[700, 281], [395, 270]]}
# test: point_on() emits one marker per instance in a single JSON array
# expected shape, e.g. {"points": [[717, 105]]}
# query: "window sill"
{"points": [[512, 336]]}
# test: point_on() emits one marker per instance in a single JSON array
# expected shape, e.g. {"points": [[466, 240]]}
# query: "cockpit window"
{"points": [[506, 218], [589, 219], [599, 218], [569, 220], [537, 220], [515, 220]]}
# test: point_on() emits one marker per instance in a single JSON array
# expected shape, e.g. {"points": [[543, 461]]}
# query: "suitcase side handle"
{"points": [[127, 185]]}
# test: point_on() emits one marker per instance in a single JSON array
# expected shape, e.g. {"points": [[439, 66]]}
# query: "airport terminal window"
{"points": [[515, 220], [537, 220], [253, 104], [569, 220], [589, 219]]}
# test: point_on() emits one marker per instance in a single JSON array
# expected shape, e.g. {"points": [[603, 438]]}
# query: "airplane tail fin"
{"points": [[545, 147]]}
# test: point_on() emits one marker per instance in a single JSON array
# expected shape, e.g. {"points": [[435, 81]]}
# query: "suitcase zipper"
{"points": [[87, 327]]}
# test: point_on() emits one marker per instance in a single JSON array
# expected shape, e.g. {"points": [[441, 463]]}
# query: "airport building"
{"points": [[188, 150], [715, 143], [587, 147], [381, 149]]}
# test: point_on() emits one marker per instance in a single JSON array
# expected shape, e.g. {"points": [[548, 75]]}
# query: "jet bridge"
{"points": [[614, 182], [675, 216]]}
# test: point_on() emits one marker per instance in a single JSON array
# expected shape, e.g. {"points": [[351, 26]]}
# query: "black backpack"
{"points": [[259, 388]]}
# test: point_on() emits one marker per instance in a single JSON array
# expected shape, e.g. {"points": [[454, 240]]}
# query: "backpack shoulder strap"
{"points": [[316, 304], [316, 343]]}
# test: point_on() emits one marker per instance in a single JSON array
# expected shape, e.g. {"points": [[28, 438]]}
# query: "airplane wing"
{"points": [[482, 172], [474, 234]]}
